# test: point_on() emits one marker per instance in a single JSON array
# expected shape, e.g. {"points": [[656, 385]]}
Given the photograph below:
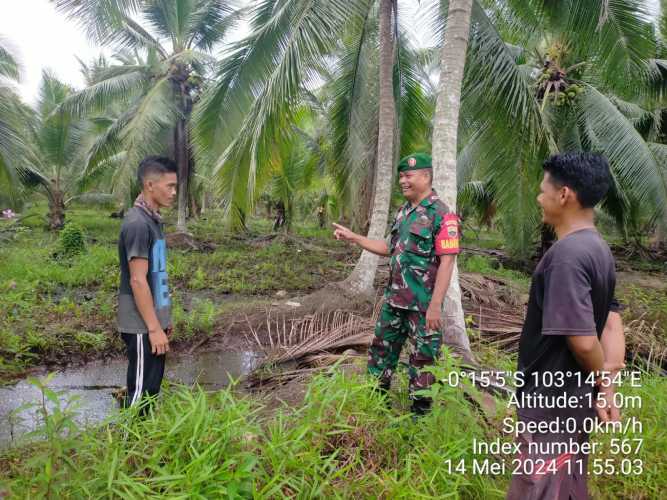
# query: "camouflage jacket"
{"points": [[419, 236]]}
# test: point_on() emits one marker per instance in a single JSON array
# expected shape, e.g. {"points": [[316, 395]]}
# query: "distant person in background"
{"points": [[144, 305], [321, 216], [572, 326]]}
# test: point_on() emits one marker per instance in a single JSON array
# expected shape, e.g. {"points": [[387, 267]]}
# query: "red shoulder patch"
{"points": [[447, 241]]}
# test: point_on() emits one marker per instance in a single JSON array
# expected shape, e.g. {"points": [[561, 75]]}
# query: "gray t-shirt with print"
{"points": [[141, 236]]}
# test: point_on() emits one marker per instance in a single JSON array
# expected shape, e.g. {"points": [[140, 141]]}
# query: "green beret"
{"points": [[415, 161]]}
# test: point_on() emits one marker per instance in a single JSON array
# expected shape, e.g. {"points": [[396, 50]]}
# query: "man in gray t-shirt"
{"points": [[144, 318]]}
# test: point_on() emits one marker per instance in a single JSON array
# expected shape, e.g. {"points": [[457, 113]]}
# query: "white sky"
{"points": [[43, 38]]}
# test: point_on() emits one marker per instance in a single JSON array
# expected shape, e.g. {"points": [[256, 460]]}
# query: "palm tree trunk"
{"points": [[183, 164], [182, 153], [362, 215], [445, 131], [56, 198], [56, 209], [362, 277]]}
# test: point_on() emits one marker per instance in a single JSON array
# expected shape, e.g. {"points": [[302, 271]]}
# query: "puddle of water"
{"points": [[94, 383]]}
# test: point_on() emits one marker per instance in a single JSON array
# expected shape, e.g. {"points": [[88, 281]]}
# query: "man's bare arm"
{"points": [[613, 346], [378, 247], [613, 343], [143, 298], [587, 351], [442, 280]]}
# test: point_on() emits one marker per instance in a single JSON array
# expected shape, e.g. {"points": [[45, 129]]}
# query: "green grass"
{"points": [[341, 442], [488, 266], [57, 307], [652, 482]]}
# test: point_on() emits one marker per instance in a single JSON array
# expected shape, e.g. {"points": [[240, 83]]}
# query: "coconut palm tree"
{"points": [[13, 115], [60, 143], [163, 60], [362, 277], [313, 47], [542, 78], [249, 109]]}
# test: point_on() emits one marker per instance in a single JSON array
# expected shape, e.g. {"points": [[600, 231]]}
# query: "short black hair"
{"points": [[587, 174], [159, 165]]}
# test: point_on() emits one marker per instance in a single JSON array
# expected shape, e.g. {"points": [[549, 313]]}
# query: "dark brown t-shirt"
{"points": [[572, 293]]}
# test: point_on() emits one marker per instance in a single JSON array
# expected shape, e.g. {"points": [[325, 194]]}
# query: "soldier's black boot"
{"points": [[420, 406]]}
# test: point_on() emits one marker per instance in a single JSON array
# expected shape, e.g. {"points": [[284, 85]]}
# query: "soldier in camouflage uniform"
{"points": [[422, 246]]}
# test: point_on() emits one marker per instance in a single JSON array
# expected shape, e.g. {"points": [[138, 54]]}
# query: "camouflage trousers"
{"points": [[393, 328]]}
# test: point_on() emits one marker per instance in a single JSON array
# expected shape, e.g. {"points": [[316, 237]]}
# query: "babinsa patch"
{"points": [[452, 228]]}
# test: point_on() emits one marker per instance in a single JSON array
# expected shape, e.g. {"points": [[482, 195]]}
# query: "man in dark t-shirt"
{"points": [[572, 330], [143, 301]]}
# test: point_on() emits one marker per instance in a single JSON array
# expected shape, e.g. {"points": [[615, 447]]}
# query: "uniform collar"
{"points": [[426, 202], [430, 199]]}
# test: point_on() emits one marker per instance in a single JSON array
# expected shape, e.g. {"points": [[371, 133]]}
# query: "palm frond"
{"points": [[415, 107], [611, 133], [98, 18], [9, 66], [13, 147], [210, 22], [495, 86], [353, 114], [621, 33], [118, 84], [169, 19], [267, 70], [130, 34], [155, 115]]}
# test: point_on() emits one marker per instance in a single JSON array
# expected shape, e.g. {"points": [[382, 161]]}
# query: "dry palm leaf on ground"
{"points": [[642, 340], [298, 347], [496, 308]]}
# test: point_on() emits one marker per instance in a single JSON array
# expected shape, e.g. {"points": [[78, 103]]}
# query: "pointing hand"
{"points": [[343, 233]]}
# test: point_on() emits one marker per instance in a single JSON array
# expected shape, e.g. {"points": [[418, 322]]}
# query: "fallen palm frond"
{"points": [[299, 346], [496, 309], [491, 291], [327, 332], [643, 340], [309, 344]]}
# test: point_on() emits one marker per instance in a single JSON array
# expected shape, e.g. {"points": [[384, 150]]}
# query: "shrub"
{"points": [[72, 240]]}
